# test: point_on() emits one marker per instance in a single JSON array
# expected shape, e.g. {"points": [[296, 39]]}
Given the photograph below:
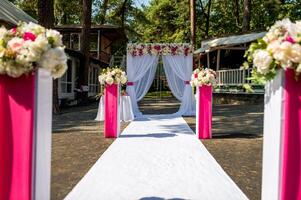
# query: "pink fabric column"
{"points": [[111, 111], [17, 105], [205, 112], [291, 146]]}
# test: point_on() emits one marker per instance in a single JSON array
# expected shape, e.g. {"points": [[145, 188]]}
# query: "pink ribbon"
{"points": [[291, 147], [130, 83], [16, 136], [187, 82], [111, 111], [204, 112]]}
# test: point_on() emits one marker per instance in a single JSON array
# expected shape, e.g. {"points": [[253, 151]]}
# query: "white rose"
{"points": [[123, 79], [109, 80], [3, 32], [40, 44], [299, 68], [196, 82], [295, 53], [117, 80], [54, 60], [262, 60], [55, 37], [32, 27]]}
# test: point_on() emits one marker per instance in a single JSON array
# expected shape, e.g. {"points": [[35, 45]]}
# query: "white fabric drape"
{"points": [[178, 70], [140, 71]]}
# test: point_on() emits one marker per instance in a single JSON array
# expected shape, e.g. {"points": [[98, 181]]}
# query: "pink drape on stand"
{"points": [[17, 105], [291, 147], [205, 112], [111, 111]]}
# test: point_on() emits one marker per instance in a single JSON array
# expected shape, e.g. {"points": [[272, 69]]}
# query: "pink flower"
{"points": [[14, 30], [290, 39], [195, 75], [29, 36], [15, 44]]}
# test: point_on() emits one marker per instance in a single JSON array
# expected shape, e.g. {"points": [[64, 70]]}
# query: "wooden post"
{"points": [[208, 60], [218, 59]]}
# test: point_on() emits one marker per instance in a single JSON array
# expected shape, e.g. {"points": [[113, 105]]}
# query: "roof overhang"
{"points": [[235, 40], [12, 15]]}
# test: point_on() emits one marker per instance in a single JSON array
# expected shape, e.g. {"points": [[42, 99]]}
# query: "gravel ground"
{"points": [[237, 143]]}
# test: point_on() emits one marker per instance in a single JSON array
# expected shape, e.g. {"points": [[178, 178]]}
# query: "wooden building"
{"points": [[226, 56], [102, 39]]}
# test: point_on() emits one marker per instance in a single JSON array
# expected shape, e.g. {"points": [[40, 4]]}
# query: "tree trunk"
{"points": [[208, 19], [46, 19], [123, 9], [192, 21], [85, 45], [104, 11], [246, 16]]}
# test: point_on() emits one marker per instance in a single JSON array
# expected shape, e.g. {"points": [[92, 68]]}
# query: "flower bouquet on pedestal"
{"points": [[30, 56], [203, 80], [112, 78], [276, 60]]}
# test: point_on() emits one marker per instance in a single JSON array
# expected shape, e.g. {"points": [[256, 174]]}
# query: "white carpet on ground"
{"points": [[157, 157]]}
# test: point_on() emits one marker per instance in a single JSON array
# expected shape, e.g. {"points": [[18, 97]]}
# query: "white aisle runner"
{"points": [[158, 157]]}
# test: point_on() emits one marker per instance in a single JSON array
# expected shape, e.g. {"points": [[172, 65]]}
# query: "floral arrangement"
{"points": [[202, 77], [279, 48], [30, 46], [112, 76], [159, 49]]}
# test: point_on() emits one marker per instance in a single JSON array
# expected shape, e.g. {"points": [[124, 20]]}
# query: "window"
{"points": [[93, 81], [66, 80], [75, 41]]}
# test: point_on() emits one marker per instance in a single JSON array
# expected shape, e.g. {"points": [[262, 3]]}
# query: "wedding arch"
{"points": [[142, 61]]}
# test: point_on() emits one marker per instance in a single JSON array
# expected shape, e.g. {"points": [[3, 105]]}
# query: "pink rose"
{"points": [[15, 44], [290, 39], [29, 36]]}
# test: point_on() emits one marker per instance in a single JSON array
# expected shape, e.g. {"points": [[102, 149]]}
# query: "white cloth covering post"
{"points": [[273, 109], [178, 70], [43, 122], [140, 71]]}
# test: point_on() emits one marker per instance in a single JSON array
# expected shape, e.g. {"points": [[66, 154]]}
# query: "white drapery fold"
{"points": [[141, 71], [178, 70]]}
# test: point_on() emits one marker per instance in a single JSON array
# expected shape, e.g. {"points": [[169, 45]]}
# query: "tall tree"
{"points": [[246, 16], [85, 43], [46, 18], [104, 11], [192, 21]]}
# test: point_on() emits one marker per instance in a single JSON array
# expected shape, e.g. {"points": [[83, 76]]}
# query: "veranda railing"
{"points": [[233, 81]]}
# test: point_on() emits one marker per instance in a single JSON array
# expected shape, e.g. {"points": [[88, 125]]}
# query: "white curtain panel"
{"points": [[178, 70], [141, 71]]}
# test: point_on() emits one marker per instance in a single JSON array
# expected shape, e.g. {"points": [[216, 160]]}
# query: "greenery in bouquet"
{"points": [[201, 77], [29, 46], [279, 48], [112, 75]]}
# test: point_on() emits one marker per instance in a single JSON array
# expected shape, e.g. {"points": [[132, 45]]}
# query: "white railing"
{"points": [[118, 61], [233, 77]]}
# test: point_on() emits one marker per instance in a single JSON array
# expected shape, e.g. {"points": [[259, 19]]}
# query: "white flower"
{"points": [[55, 37], [109, 80], [3, 32], [40, 44], [35, 28], [298, 68], [15, 44], [54, 60], [262, 60], [123, 79]]}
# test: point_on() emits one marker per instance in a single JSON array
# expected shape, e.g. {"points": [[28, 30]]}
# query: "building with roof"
{"points": [[226, 56], [101, 54]]}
